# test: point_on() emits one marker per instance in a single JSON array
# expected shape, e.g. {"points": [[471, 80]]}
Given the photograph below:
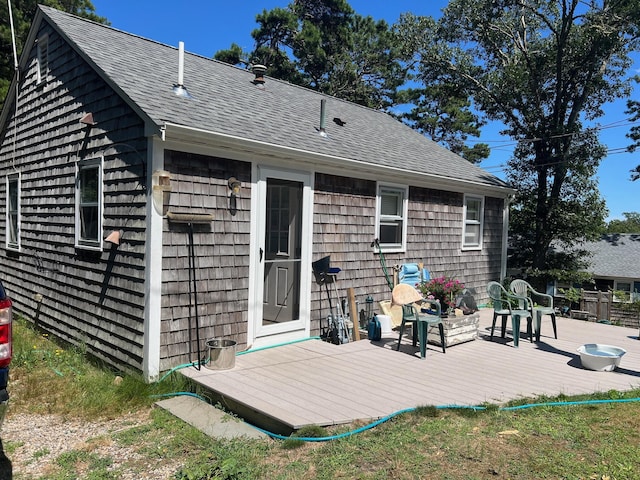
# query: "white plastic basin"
{"points": [[602, 358]]}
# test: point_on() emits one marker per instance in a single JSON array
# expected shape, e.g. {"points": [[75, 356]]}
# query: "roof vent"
{"points": [[322, 129], [258, 71], [179, 89]]}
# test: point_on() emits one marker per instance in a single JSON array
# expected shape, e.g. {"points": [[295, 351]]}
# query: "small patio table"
{"points": [[424, 321], [537, 321]]}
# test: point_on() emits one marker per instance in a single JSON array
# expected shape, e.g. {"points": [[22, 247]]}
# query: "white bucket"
{"points": [[385, 323]]}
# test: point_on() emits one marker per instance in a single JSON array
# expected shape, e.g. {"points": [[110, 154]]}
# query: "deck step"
{"points": [[208, 419]]}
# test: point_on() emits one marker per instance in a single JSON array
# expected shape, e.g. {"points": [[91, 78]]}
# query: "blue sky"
{"points": [[206, 26]]}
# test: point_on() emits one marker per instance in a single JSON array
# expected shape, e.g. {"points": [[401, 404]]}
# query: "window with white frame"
{"points": [[42, 59], [622, 291], [89, 204], [13, 211], [391, 217], [473, 222]]}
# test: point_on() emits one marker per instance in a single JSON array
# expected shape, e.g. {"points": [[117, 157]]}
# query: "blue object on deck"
{"points": [[411, 274]]}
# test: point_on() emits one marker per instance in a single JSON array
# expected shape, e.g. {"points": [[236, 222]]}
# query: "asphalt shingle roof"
{"points": [[226, 101], [615, 255]]}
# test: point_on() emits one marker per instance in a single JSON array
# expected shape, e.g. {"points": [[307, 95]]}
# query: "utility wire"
{"points": [[508, 143], [503, 167]]}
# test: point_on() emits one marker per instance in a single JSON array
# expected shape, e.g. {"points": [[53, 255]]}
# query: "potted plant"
{"points": [[444, 289]]}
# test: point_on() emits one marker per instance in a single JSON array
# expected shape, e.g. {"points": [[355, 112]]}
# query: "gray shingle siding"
{"points": [[93, 298], [344, 229], [221, 256]]}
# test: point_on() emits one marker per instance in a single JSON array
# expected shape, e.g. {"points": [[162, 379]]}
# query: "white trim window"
{"points": [[89, 204], [42, 59], [629, 289], [473, 218], [13, 211], [391, 217]]}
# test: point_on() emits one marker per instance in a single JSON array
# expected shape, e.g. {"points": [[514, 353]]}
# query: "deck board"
{"points": [[317, 383]]}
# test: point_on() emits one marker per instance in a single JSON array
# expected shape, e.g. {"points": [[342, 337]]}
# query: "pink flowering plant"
{"points": [[444, 289]]}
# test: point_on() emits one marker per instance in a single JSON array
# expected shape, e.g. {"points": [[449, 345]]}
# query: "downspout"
{"points": [[505, 237], [153, 269]]}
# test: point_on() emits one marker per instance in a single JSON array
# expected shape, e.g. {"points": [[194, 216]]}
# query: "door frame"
{"points": [[259, 335]]}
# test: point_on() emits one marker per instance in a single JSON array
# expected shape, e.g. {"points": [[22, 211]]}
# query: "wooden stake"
{"points": [[353, 313]]}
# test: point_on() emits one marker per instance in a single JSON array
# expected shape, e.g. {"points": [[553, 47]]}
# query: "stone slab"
{"points": [[209, 419]]}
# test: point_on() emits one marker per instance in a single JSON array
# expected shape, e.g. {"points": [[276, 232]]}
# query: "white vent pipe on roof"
{"points": [[181, 63], [179, 89]]}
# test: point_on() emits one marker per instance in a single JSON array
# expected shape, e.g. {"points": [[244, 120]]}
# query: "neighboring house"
{"points": [[615, 263], [140, 222]]}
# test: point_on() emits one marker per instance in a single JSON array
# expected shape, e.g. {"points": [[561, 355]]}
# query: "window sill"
{"points": [[93, 248], [385, 250]]}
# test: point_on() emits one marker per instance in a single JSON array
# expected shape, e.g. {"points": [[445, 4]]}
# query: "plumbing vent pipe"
{"points": [[179, 88], [323, 130]]}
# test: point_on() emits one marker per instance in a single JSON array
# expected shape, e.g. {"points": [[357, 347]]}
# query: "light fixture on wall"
{"points": [[88, 120], [161, 191], [234, 186], [114, 237]]}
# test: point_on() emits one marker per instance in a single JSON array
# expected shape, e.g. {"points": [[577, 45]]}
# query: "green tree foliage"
{"points": [[543, 68], [630, 224], [439, 107], [325, 46], [634, 133], [23, 13]]}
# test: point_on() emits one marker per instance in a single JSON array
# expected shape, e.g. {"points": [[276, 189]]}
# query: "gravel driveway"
{"points": [[34, 442]]}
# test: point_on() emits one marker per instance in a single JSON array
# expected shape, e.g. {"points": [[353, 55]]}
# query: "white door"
{"points": [[281, 260]]}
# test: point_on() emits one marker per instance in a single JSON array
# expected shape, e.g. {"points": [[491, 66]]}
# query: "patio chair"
{"points": [[539, 304], [407, 296], [412, 274], [508, 304]]}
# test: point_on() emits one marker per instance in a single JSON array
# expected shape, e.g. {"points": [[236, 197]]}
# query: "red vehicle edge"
{"points": [[6, 318]]}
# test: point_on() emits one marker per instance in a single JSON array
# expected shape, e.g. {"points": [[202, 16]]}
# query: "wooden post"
{"points": [[353, 313]]}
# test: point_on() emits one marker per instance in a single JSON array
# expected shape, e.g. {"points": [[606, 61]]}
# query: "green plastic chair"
{"points": [[503, 306], [406, 295], [540, 302]]}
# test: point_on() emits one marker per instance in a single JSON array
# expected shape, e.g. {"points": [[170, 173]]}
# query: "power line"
{"points": [[503, 166], [506, 143]]}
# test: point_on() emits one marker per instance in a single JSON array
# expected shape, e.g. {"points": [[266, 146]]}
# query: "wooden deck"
{"points": [[314, 382]]}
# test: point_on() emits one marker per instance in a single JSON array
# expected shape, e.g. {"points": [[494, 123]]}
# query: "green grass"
{"points": [[590, 442]]}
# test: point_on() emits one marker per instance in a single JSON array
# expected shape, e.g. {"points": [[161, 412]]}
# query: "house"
{"points": [[154, 199], [614, 263]]}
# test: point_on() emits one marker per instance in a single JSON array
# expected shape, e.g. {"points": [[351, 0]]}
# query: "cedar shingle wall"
{"points": [[90, 298], [344, 227], [221, 257]]}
